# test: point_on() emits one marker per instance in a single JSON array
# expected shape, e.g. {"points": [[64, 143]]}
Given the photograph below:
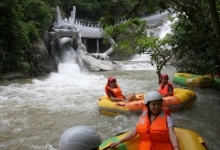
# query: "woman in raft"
{"points": [[166, 87], [113, 91], [155, 127]]}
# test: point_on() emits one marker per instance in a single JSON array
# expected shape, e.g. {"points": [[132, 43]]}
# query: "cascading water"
{"points": [[35, 112], [67, 52]]}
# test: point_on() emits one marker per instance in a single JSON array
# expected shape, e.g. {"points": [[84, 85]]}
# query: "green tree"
{"points": [[126, 35], [22, 23], [125, 9], [159, 49], [131, 38], [199, 25], [89, 10], [203, 16], [38, 14], [198, 56], [14, 41]]}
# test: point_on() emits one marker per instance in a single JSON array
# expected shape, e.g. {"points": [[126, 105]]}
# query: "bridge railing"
{"points": [[94, 24]]}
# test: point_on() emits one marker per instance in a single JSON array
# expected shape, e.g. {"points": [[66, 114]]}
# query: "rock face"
{"points": [[42, 53]]}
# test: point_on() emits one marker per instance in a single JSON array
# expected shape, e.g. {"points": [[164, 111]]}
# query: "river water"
{"points": [[35, 112]]}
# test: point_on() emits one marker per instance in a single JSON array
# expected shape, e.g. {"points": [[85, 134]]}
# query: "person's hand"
{"points": [[164, 95], [114, 144]]}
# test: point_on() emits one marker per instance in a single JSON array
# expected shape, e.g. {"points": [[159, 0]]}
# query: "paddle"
{"points": [[120, 104]]}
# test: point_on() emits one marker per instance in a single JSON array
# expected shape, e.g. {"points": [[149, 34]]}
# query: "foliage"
{"points": [[131, 37], [160, 50], [196, 38], [39, 14], [126, 35], [22, 22], [14, 39], [90, 10], [191, 48], [126, 9], [196, 35]]}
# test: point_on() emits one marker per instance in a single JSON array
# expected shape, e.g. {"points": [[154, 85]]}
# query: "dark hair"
{"points": [[148, 110]]}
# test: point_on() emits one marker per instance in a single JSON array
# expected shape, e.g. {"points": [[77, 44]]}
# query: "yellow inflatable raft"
{"points": [[188, 140], [192, 80], [182, 98]]}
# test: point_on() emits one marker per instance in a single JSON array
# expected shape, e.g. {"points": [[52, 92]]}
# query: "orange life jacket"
{"points": [[116, 91], [153, 136], [164, 90]]}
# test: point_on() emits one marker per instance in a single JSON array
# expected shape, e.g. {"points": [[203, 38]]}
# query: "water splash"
{"points": [[165, 28]]}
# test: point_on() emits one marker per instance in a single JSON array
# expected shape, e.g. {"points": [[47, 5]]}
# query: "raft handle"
{"points": [[120, 104]]}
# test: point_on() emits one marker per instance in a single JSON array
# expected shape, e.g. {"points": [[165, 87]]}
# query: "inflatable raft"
{"points": [[188, 140], [192, 80], [182, 98]]}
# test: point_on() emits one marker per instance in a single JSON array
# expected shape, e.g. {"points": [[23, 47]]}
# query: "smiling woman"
{"points": [[188, 139], [155, 127]]}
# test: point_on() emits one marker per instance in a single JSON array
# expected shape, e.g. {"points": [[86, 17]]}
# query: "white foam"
{"points": [[166, 28], [138, 66], [141, 57]]}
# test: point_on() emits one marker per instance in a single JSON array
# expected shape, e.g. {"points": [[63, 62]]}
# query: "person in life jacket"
{"points": [[113, 91], [80, 138], [155, 127], [165, 88]]}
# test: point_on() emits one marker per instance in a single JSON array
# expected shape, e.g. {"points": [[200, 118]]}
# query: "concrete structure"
{"points": [[81, 33]]}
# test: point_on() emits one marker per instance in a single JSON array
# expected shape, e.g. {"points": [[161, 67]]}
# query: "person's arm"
{"points": [[128, 137], [172, 134], [115, 99], [173, 138]]}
